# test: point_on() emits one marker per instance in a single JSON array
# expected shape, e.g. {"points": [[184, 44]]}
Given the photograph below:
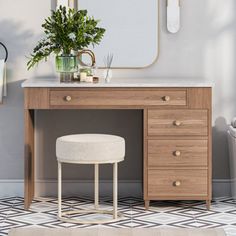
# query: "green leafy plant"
{"points": [[66, 30]]}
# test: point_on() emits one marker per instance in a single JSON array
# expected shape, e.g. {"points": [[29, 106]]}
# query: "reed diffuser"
{"points": [[108, 62]]}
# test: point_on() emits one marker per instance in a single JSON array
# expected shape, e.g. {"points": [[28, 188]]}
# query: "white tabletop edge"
{"points": [[148, 82]]}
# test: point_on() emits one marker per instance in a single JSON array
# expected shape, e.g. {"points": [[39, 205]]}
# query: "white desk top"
{"points": [[119, 83]]}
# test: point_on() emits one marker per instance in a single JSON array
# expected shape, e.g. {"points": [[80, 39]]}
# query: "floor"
{"points": [[179, 214]]}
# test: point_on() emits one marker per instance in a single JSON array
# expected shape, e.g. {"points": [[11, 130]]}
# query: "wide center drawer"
{"points": [[119, 97], [177, 183], [177, 122], [177, 153]]}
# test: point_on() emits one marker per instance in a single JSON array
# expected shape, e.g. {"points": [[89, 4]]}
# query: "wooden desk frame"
{"points": [[119, 98]]}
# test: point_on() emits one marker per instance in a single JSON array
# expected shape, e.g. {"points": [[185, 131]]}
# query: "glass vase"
{"points": [[66, 65], [107, 74]]}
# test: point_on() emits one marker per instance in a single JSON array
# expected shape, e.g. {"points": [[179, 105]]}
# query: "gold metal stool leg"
{"points": [[59, 188], [115, 192], [96, 185]]}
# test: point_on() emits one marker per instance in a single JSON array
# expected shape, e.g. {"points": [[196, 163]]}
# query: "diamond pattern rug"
{"points": [[174, 214]]}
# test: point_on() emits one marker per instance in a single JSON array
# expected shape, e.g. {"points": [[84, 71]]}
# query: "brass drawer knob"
{"points": [[177, 153], [68, 98], [177, 183], [177, 123], [166, 98]]}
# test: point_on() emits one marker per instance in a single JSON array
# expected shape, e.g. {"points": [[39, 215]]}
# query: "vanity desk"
{"points": [[177, 139]]}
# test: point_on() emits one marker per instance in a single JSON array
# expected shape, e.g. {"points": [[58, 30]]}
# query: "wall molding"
{"points": [[15, 187], [11, 187], [221, 187]]}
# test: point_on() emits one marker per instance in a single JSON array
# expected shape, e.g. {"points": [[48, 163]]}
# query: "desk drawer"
{"points": [[177, 153], [177, 122], [112, 97], [177, 183]]}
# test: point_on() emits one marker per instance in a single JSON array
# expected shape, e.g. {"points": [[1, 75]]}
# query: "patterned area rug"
{"points": [[116, 232], [162, 214]]}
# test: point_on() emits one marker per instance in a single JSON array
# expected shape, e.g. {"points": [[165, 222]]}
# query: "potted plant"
{"points": [[66, 32]]}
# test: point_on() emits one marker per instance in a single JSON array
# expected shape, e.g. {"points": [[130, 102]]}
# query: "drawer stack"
{"points": [[177, 163]]}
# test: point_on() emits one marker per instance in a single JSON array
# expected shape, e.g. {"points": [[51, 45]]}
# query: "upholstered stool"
{"points": [[90, 149]]}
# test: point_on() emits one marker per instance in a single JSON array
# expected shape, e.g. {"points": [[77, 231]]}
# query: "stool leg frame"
{"points": [[115, 180], [63, 216], [96, 186], [59, 188]]}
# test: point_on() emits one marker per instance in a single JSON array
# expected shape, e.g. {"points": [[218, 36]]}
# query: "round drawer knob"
{"points": [[166, 98], [177, 153], [177, 123], [68, 98], [177, 183]]}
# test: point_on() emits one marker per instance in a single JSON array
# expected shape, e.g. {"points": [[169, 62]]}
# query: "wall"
{"points": [[205, 48]]}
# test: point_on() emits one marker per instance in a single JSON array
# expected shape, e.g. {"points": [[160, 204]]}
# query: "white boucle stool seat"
{"points": [[90, 148]]}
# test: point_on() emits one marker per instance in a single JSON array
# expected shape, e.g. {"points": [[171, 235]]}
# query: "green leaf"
{"points": [[57, 29]]}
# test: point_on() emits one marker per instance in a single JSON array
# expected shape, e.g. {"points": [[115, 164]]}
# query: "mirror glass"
{"points": [[131, 31]]}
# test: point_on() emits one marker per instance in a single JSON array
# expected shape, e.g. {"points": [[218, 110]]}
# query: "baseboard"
{"points": [[15, 187], [11, 187], [221, 188], [73, 187]]}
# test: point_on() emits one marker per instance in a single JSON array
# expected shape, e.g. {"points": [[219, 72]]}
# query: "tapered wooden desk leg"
{"points": [[147, 204], [29, 158], [208, 204]]}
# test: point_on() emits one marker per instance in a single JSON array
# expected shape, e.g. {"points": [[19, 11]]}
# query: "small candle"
{"points": [[83, 76], [89, 79]]}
